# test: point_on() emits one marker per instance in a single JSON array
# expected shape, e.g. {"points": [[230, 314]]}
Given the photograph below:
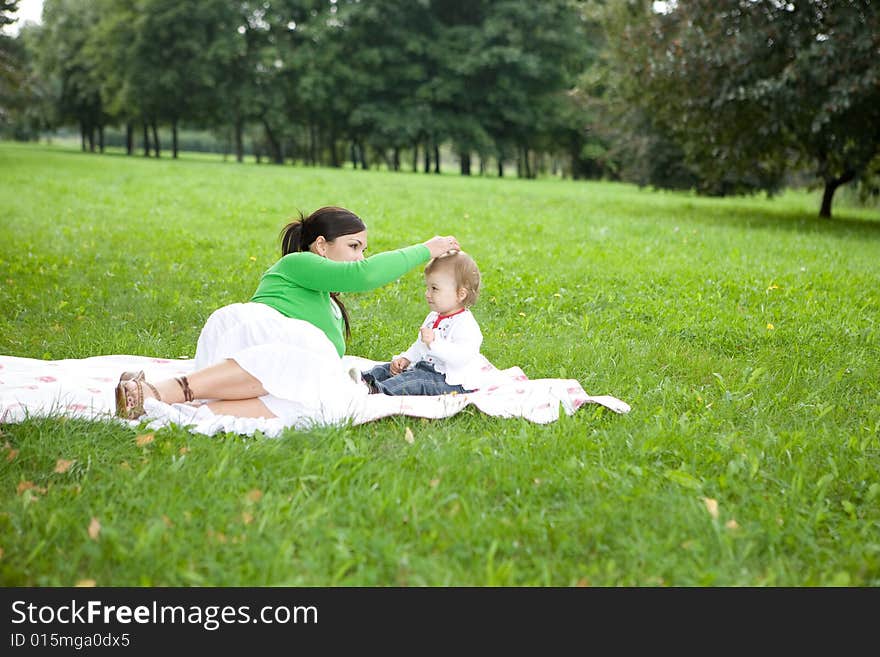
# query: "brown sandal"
{"points": [[122, 409]]}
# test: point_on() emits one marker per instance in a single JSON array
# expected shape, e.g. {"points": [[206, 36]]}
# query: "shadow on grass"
{"points": [[843, 224]]}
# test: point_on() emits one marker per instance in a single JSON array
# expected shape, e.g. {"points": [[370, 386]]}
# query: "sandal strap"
{"points": [[151, 387], [187, 391]]}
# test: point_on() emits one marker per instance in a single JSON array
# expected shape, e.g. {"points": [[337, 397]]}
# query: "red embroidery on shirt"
{"points": [[440, 318]]}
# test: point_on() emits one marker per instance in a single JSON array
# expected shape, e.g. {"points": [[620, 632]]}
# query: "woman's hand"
{"points": [[440, 245]]}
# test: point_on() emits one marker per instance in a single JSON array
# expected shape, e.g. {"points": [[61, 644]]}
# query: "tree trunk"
{"points": [[427, 157], [831, 186], [395, 158], [465, 164], [526, 166], [352, 153], [101, 138], [156, 145], [500, 168], [363, 151], [274, 146], [129, 138], [174, 139], [415, 159], [436, 158], [313, 145], [334, 156], [238, 131], [146, 141], [290, 149]]}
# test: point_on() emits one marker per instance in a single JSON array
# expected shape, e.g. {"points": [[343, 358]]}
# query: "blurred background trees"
{"points": [[720, 97]]}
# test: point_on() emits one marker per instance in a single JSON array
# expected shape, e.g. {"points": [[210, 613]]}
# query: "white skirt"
{"points": [[293, 359]]}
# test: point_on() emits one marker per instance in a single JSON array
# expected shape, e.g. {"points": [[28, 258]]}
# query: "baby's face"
{"points": [[441, 294]]}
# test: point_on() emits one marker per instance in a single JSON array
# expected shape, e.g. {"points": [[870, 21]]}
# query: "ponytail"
{"points": [[291, 237]]}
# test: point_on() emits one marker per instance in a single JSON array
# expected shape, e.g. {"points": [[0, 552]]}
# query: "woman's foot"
{"points": [[131, 391]]}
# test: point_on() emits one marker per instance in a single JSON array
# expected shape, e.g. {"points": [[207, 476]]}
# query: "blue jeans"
{"points": [[422, 379]]}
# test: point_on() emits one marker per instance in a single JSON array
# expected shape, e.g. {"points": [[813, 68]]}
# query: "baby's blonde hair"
{"points": [[463, 268]]}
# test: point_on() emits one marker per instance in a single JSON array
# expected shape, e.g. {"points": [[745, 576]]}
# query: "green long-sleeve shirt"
{"points": [[299, 284]]}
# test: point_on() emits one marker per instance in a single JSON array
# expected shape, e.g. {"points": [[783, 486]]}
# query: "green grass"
{"points": [[664, 300]]}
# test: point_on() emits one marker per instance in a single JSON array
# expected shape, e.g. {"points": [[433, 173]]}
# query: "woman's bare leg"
{"points": [[226, 381], [240, 408], [223, 381]]}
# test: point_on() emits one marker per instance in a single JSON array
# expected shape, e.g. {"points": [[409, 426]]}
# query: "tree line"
{"points": [[723, 97]]}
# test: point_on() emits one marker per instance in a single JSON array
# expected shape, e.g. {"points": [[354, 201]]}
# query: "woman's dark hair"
{"points": [[331, 222]]}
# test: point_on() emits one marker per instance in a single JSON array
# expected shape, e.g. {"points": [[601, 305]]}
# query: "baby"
{"points": [[445, 357]]}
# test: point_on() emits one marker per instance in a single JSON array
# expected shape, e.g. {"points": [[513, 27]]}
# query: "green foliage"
{"points": [[742, 331], [752, 90], [304, 79]]}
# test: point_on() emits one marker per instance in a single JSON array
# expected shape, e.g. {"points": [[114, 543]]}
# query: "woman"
{"points": [[279, 355]]}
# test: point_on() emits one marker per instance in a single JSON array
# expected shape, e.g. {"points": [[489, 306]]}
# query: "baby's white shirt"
{"points": [[455, 350]]}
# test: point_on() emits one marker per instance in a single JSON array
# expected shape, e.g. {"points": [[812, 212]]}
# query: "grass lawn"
{"points": [[743, 333]]}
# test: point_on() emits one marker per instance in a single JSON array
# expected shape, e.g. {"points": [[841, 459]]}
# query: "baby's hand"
{"points": [[427, 334], [398, 365]]}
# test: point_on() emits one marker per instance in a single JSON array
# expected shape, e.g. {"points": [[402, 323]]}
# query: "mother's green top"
{"points": [[299, 284]]}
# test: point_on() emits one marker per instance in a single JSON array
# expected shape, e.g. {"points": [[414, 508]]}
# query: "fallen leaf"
{"points": [[85, 583], [247, 518], [434, 483], [732, 524], [11, 454], [220, 537], [255, 495], [183, 450], [144, 439], [167, 520], [711, 506], [29, 485], [408, 436], [63, 465], [94, 529]]}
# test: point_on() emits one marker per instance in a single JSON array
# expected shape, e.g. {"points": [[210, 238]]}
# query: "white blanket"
{"points": [[83, 388]]}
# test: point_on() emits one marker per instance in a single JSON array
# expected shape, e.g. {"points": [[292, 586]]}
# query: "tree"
{"points": [[752, 89], [10, 61], [64, 61], [503, 65], [384, 48], [170, 65]]}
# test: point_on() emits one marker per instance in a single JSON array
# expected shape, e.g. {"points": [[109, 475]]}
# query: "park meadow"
{"points": [[742, 331]]}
